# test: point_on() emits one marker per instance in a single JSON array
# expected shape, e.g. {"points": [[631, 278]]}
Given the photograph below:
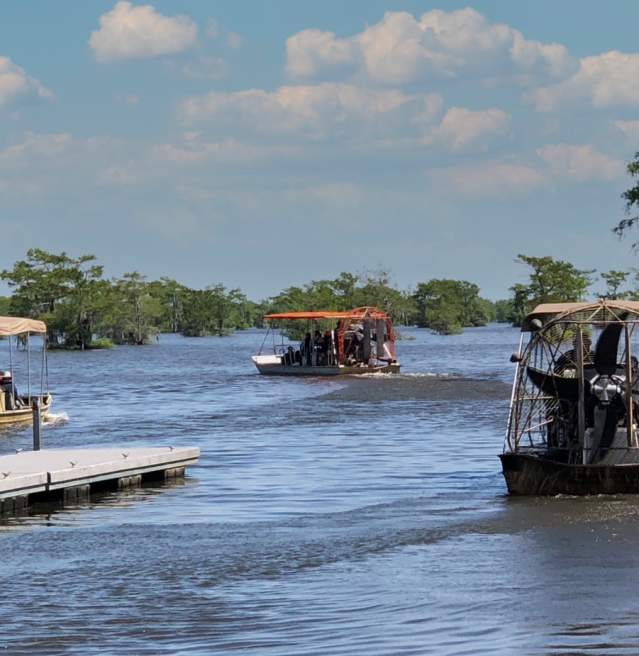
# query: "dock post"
{"points": [[36, 424]]}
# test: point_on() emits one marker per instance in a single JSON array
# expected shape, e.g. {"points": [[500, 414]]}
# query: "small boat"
{"points": [[17, 408], [360, 341], [572, 426]]}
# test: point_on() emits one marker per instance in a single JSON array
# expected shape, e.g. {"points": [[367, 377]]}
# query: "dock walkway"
{"points": [[65, 474]]}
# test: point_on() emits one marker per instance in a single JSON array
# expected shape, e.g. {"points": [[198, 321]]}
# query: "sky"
{"points": [[266, 144]]}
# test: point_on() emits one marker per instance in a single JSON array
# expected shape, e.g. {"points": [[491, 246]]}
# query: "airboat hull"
{"points": [[528, 474], [277, 369], [24, 415]]}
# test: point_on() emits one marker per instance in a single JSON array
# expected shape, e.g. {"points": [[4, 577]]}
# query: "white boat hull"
{"points": [[271, 365]]}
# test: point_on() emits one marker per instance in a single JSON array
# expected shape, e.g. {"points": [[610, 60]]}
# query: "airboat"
{"points": [[358, 341], [16, 408], [572, 426]]}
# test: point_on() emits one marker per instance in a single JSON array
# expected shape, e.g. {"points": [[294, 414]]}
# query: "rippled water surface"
{"points": [[364, 515]]}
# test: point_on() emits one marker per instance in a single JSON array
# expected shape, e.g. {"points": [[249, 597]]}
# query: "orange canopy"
{"points": [[18, 325], [357, 313]]}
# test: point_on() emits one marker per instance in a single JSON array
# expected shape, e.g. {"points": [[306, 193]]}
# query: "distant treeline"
{"points": [[83, 309]]}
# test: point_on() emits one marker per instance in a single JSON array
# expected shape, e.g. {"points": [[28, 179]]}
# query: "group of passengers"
{"points": [[318, 350]]}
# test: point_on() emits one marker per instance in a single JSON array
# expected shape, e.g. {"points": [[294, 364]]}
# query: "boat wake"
{"points": [[52, 419], [375, 388]]}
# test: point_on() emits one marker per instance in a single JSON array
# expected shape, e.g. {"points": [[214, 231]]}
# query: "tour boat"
{"points": [[16, 408], [359, 341], [572, 427]]}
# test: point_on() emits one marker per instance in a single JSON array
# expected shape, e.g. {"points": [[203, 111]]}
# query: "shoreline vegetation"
{"points": [[85, 310]]}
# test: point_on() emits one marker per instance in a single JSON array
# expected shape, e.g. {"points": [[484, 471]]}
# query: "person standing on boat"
{"points": [[318, 346], [307, 350], [9, 390], [327, 346]]}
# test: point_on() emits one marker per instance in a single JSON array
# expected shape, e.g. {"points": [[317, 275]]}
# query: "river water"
{"points": [[357, 516]]}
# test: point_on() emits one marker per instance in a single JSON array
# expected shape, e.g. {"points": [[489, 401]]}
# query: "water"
{"points": [[361, 516]]}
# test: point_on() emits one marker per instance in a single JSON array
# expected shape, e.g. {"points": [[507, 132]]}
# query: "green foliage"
{"points": [[614, 280], [631, 197], [131, 312], [448, 306], [63, 291], [5, 305], [505, 311], [216, 311], [84, 310], [102, 343], [551, 281]]}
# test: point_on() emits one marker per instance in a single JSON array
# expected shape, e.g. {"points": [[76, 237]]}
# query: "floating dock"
{"points": [[62, 475]]}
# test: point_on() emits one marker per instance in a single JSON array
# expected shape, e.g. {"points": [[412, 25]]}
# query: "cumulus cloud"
{"points": [[461, 128], [136, 32], [17, 86], [484, 179], [580, 163], [311, 50], [607, 80], [314, 110], [401, 48]]}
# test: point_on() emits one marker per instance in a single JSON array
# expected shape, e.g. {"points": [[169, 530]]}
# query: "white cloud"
{"points": [[462, 127], [607, 80], [135, 32], [309, 51], [580, 163], [401, 48], [16, 85], [314, 110], [485, 179]]}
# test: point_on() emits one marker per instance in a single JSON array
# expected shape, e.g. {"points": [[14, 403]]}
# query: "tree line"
{"points": [[83, 309]]}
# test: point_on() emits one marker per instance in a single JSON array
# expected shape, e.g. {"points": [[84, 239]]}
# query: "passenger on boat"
{"points": [[318, 346], [307, 350], [10, 391], [327, 346]]}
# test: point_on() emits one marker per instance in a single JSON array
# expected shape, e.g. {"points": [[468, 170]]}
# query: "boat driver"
{"points": [[10, 391]]}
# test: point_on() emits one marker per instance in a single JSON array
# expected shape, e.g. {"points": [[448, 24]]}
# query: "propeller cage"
{"points": [[576, 388]]}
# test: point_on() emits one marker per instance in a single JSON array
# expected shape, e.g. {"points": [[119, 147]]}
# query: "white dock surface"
{"points": [[29, 472]]}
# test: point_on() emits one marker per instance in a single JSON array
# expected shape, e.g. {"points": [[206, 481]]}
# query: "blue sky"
{"points": [[266, 144]]}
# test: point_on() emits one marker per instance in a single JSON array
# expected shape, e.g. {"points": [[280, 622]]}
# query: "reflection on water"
{"points": [[365, 515]]}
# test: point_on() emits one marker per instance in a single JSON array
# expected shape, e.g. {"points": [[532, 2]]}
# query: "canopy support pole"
{"points": [[29, 367], [581, 407], [512, 402], [629, 403]]}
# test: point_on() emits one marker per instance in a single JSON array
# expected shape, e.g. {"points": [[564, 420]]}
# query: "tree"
{"points": [[59, 289], [631, 197], [134, 312], [505, 311], [551, 281], [614, 280], [448, 306]]}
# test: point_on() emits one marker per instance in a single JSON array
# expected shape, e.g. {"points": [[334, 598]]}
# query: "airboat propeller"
{"points": [[571, 423]]}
